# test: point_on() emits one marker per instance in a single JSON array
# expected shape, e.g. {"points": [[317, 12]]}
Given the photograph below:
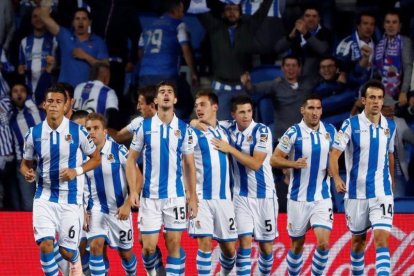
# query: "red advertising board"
{"points": [[19, 254]]}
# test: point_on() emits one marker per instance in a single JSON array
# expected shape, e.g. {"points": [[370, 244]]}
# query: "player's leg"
{"points": [[321, 222], [381, 216], [96, 259], [203, 259], [227, 257], [357, 215], [84, 253], [62, 263]]}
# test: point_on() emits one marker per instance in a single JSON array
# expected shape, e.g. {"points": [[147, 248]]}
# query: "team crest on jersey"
{"points": [[249, 139], [328, 136], [68, 138], [198, 224], [263, 137], [177, 134], [387, 132], [111, 158]]}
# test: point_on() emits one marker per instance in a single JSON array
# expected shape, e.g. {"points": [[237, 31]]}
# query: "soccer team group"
{"points": [[213, 179]]}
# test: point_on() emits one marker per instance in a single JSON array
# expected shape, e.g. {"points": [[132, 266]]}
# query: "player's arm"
{"points": [[132, 170], [79, 53], [334, 170], [391, 160], [279, 160], [26, 169], [190, 180], [252, 162], [120, 136], [51, 25], [189, 60]]}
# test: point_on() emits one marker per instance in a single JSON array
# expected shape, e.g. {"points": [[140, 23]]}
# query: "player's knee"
{"points": [[229, 249], [67, 255], [148, 250], [381, 240], [323, 245], [297, 245], [46, 246], [125, 254], [96, 247], [358, 243]]}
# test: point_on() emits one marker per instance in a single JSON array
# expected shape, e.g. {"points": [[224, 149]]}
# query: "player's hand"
{"points": [[196, 123], [79, 53], [301, 27], [67, 174], [246, 81], [193, 206], [301, 163], [340, 185], [86, 219], [30, 175], [124, 211], [133, 199], [221, 145]]}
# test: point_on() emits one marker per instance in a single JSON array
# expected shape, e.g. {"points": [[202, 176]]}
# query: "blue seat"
{"points": [[265, 73], [404, 205]]}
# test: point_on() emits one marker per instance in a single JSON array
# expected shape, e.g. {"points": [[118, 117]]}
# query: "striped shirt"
{"points": [[311, 183], [107, 185], [33, 53], [162, 146], [55, 150], [249, 7], [6, 138], [212, 166], [20, 122], [247, 182], [134, 124], [94, 96], [366, 149]]}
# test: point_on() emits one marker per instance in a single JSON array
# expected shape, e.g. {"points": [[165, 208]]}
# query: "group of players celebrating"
{"points": [[213, 179]]}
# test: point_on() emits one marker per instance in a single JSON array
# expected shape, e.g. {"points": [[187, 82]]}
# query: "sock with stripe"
{"points": [[383, 261], [227, 264], [265, 263], [150, 262], [319, 260], [183, 257], [130, 266], [357, 263], [49, 265], [85, 263], [158, 264], [294, 262], [173, 266], [62, 263], [97, 265], [106, 262], [203, 260], [243, 261]]}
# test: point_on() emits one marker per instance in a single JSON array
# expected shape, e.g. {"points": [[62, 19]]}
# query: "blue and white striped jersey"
{"points": [[162, 147], [6, 138], [366, 149], [311, 183], [107, 184], [247, 182], [249, 7], [33, 53], [212, 166], [134, 124], [20, 122], [94, 96], [55, 150]]}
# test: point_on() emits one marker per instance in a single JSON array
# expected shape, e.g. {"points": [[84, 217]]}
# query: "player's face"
{"points": [[54, 105], [392, 25], [366, 27], [232, 13], [81, 23], [311, 18], [327, 69], [37, 22], [205, 111], [291, 69], [18, 95], [144, 108], [243, 115], [165, 97], [373, 101], [96, 131], [312, 112]]}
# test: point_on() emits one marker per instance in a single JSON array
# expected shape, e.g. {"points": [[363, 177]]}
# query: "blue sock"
{"points": [[130, 266], [49, 265], [265, 263], [243, 261], [383, 261], [183, 257], [294, 262], [106, 262], [357, 263], [319, 260], [97, 265], [85, 263], [62, 263], [227, 263], [158, 263], [173, 267], [150, 261], [203, 260]]}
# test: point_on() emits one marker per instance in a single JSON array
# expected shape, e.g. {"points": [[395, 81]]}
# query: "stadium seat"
{"points": [[265, 73], [403, 204]]}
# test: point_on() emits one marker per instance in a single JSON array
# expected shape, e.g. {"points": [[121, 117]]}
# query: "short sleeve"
{"points": [[86, 143], [190, 141], [28, 148], [134, 124], [263, 139], [342, 136], [138, 139], [287, 140], [112, 100], [123, 154], [182, 33], [391, 145]]}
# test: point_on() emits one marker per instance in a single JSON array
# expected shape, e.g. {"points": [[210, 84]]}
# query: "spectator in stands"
{"points": [[80, 49], [308, 40], [96, 96], [337, 100], [25, 114], [393, 59], [7, 24], [403, 136], [232, 44], [288, 93], [34, 50], [407, 112], [355, 52]]}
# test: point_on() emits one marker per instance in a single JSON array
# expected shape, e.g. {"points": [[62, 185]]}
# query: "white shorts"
{"points": [[216, 219], [361, 214], [154, 213], [302, 215], [65, 220], [118, 234], [256, 217]]}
